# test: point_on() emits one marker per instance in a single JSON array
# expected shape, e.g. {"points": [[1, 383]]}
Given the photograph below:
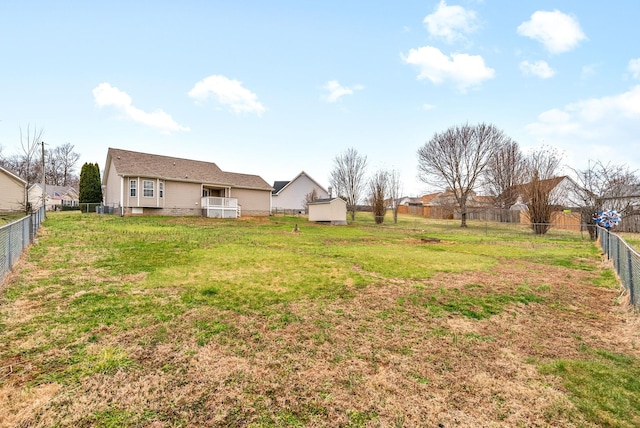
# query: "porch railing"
{"points": [[218, 207]]}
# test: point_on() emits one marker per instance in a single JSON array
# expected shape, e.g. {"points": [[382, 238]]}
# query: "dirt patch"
{"points": [[382, 358]]}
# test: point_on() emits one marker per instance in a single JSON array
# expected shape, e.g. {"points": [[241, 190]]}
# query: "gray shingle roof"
{"points": [[133, 164], [278, 185]]}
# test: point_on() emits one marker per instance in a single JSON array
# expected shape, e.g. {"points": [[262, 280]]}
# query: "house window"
{"points": [[147, 188], [161, 189], [133, 184]]}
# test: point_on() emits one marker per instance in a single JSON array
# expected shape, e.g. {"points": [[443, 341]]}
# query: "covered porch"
{"points": [[219, 207]]}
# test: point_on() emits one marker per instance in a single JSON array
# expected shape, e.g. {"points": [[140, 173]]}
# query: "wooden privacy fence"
{"points": [[565, 220]]}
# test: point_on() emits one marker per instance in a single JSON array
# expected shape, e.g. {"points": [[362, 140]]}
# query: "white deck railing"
{"points": [[215, 206]]}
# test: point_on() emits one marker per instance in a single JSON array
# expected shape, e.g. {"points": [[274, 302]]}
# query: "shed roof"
{"points": [[324, 201]]}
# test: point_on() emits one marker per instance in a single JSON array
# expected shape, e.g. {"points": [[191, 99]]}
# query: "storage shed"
{"points": [[330, 210]]}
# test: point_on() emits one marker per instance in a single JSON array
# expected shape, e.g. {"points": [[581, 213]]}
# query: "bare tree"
{"points": [[505, 171], [378, 195], [309, 197], [347, 178], [457, 158], [601, 186], [60, 165], [395, 189], [542, 169], [28, 164]]}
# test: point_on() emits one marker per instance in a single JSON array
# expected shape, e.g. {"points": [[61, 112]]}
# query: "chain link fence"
{"points": [[626, 261], [15, 237]]}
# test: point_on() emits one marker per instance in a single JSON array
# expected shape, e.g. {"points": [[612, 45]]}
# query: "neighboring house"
{"points": [[292, 195], [142, 183], [445, 205], [624, 198], [409, 205], [14, 191], [563, 193], [329, 210], [56, 196]]}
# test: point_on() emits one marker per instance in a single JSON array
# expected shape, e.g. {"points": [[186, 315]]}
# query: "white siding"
{"points": [[12, 194], [334, 211], [292, 196]]}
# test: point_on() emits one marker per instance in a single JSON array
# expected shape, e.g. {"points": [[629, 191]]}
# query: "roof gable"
{"points": [[135, 164], [54, 191], [12, 175], [282, 185]]}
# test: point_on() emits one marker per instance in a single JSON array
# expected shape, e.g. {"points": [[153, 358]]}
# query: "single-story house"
{"points": [[293, 196], [329, 210], [143, 183], [56, 196], [14, 191]]}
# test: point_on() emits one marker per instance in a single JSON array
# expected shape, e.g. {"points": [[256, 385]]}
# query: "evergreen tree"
{"points": [[90, 185]]}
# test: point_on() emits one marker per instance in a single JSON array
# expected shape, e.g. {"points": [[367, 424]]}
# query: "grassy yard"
{"points": [[8, 217], [172, 322]]}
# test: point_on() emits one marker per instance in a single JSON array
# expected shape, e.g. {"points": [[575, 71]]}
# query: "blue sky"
{"points": [[274, 88]]}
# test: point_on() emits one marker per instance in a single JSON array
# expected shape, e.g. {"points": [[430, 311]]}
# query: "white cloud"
{"points": [[463, 70], [427, 107], [538, 68], [335, 91], [634, 68], [106, 95], [451, 23], [229, 93], [558, 32], [593, 127]]}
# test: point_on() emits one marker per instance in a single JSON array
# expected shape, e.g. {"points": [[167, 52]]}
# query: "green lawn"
{"points": [[8, 217], [140, 321]]}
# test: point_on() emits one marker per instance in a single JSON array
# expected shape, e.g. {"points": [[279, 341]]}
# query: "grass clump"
{"points": [[605, 387]]}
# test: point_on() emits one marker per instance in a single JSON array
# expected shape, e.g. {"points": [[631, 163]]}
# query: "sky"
{"points": [[277, 87]]}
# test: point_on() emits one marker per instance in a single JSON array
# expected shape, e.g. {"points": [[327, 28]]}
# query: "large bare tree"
{"points": [[505, 171], [542, 168], [457, 157], [61, 164], [348, 178]]}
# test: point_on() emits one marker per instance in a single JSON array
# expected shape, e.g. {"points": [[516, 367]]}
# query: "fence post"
{"points": [[632, 294], [10, 246]]}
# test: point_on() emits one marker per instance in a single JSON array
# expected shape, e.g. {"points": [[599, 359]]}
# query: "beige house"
{"points": [[14, 191], [56, 196], [142, 183], [330, 210], [292, 195]]}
